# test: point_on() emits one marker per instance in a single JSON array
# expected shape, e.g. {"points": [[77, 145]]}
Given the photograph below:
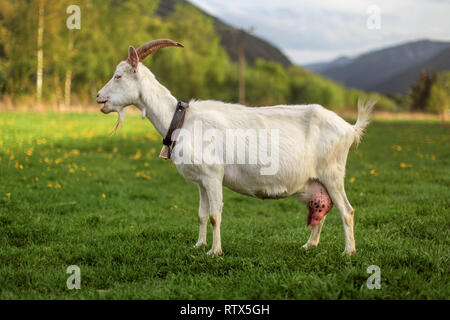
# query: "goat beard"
{"points": [[119, 122]]}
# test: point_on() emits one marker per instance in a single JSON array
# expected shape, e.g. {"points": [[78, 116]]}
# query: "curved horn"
{"points": [[152, 46]]}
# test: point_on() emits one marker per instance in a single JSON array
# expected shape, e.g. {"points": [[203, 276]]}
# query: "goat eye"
{"points": [[117, 77]]}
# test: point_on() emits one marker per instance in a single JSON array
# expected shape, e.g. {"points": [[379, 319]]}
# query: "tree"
{"points": [[40, 51], [420, 90], [202, 69], [307, 87], [78, 62], [267, 83], [439, 99]]}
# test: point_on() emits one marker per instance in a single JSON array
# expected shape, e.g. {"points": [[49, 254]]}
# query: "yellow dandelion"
{"points": [[103, 195], [8, 194], [352, 180], [142, 174], [372, 172], [152, 137], [137, 155], [406, 165], [175, 206]]}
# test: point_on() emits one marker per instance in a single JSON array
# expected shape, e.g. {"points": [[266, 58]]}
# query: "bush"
{"points": [[439, 99]]}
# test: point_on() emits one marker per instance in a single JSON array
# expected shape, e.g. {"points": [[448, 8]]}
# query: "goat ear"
{"points": [[133, 58]]}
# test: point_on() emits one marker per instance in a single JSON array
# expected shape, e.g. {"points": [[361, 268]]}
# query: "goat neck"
{"points": [[156, 102]]}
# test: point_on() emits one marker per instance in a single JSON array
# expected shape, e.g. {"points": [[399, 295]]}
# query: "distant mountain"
{"points": [[390, 70], [254, 47], [401, 82], [322, 66]]}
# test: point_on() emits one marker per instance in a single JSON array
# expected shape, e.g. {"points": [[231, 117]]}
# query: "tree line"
{"points": [[75, 63]]}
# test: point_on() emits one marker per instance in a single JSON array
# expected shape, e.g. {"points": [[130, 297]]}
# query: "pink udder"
{"points": [[319, 205]]}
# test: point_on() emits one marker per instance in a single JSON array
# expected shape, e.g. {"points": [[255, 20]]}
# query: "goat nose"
{"points": [[98, 95]]}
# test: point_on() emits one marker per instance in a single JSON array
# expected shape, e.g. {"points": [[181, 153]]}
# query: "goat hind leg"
{"points": [[339, 198], [319, 204], [314, 238]]}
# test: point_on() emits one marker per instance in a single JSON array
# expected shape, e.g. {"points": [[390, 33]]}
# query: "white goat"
{"points": [[312, 150]]}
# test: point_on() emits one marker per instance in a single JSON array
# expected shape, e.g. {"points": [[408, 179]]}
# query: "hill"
{"points": [[401, 82], [254, 47], [389, 70]]}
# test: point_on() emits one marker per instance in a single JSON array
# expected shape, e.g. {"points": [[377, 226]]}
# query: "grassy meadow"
{"points": [[72, 194]]}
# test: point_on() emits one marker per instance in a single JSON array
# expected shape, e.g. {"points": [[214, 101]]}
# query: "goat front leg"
{"points": [[203, 212], [214, 193]]}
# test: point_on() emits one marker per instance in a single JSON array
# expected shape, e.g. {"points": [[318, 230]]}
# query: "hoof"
{"points": [[199, 245], [308, 246], [349, 252], [214, 252]]}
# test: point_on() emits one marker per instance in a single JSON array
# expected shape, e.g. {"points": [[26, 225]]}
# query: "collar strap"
{"points": [[176, 123]]}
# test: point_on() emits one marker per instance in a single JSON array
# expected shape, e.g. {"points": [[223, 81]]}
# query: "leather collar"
{"points": [[176, 123]]}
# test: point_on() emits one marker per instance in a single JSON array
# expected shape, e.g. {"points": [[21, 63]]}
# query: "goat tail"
{"points": [[364, 113]]}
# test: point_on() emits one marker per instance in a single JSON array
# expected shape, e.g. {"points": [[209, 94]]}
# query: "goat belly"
{"points": [[318, 206], [263, 194]]}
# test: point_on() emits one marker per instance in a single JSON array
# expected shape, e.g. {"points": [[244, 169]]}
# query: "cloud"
{"points": [[330, 28]]}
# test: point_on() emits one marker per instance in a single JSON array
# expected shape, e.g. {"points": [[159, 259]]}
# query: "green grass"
{"points": [[71, 194]]}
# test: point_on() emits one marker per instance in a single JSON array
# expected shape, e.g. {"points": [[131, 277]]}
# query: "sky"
{"points": [[310, 31]]}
